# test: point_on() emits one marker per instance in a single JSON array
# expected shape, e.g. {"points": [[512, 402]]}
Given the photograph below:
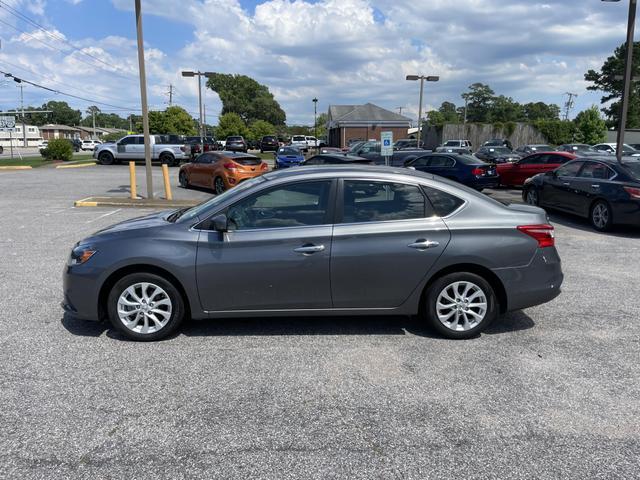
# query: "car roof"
{"points": [[342, 156], [230, 154], [608, 159]]}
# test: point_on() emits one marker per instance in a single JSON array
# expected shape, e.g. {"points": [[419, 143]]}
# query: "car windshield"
{"points": [[541, 148], [629, 149], [298, 139], [633, 167], [501, 150], [194, 212], [289, 151], [584, 148], [451, 143]]}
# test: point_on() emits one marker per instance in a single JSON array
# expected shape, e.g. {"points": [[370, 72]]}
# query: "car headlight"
{"points": [[81, 254]]}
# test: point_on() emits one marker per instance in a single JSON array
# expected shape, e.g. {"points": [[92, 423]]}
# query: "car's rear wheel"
{"points": [[601, 216], [531, 196], [184, 181], [105, 158], [461, 305], [168, 159], [145, 306], [218, 185]]}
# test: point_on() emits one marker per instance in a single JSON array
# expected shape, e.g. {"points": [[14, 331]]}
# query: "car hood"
{"points": [[139, 223]]}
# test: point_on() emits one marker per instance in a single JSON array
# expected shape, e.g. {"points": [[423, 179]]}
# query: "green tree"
{"points": [[479, 99], [435, 118], [247, 98], [230, 124], [591, 126], [61, 113], [505, 109], [172, 120], [259, 129], [609, 80], [557, 132], [534, 111], [449, 112], [321, 125]]}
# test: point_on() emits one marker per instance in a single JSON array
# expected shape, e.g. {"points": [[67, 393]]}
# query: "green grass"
{"points": [[38, 161]]}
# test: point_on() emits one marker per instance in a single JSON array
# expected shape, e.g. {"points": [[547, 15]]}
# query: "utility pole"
{"points": [[399, 110], [143, 98], [170, 93], [24, 125], [199, 75], [569, 104], [315, 121], [93, 116], [204, 114]]}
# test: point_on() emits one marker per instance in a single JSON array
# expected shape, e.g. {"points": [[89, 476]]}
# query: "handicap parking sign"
{"points": [[386, 149]]}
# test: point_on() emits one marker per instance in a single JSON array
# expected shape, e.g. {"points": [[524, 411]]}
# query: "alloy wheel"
{"points": [[600, 215], [144, 308], [219, 185], [532, 197], [461, 306]]}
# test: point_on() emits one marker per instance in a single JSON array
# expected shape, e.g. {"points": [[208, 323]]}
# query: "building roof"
{"points": [[367, 113], [53, 126]]}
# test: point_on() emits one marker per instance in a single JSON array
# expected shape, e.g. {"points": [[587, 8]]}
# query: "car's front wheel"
{"points": [[105, 158], [184, 181], [461, 305], [145, 306]]}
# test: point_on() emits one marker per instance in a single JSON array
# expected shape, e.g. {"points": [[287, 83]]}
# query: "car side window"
{"points": [[441, 162], [443, 203], [205, 158], [532, 160], [370, 201], [292, 205], [314, 161], [420, 162], [127, 140], [596, 170], [570, 169]]}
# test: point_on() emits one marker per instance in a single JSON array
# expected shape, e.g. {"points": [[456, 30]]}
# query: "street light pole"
{"points": [[199, 74], [143, 98], [315, 121], [626, 87], [422, 78]]}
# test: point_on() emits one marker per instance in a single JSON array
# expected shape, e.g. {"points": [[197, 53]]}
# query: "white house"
{"points": [[16, 136]]}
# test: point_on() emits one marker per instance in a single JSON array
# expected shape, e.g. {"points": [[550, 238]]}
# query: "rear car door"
{"points": [[276, 253], [592, 182], [444, 166], [528, 167], [385, 241]]}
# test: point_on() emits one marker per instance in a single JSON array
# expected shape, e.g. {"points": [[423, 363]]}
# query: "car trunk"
{"points": [[247, 161]]}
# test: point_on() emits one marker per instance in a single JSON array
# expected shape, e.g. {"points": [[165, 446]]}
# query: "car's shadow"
{"points": [[360, 325], [582, 224]]}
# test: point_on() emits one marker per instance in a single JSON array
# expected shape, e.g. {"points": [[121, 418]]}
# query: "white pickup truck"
{"points": [[131, 147]]}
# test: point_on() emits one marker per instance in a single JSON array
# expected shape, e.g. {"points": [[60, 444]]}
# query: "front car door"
{"points": [[384, 242], [528, 167], [557, 187], [199, 169], [276, 253]]}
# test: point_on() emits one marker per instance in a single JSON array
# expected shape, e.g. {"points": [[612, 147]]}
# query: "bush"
{"points": [[557, 132], [58, 149]]}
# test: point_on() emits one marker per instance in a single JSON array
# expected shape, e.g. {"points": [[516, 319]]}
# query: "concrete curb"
{"points": [[135, 203], [16, 167], [77, 165]]}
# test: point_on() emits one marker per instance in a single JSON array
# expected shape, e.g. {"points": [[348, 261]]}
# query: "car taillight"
{"points": [[264, 166], [478, 171], [543, 233], [633, 192], [230, 166]]}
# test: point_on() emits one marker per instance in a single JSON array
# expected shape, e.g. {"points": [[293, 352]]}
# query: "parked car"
{"points": [[599, 189], [195, 147], [253, 145], [268, 143], [43, 144], [580, 149], [352, 141], [635, 146], [337, 159], [131, 147], [76, 144], [496, 154], [372, 151], [466, 144], [236, 143], [498, 142], [312, 142], [461, 168], [353, 148], [612, 148], [319, 241], [330, 150], [299, 141], [537, 148], [514, 174], [89, 145], [220, 171], [407, 143], [288, 157]]}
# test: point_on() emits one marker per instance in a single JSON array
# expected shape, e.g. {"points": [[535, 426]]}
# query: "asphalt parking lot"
{"points": [[549, 392]]}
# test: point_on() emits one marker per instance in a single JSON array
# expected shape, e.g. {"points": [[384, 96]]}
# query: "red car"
{"points": [[516, 173]]}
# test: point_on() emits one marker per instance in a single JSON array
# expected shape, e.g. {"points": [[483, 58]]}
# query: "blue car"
{"points": [[460, 167], [288, 157]]}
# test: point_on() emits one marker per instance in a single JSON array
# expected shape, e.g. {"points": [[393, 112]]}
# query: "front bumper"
{"points": [[534, 284], [80, 292]]}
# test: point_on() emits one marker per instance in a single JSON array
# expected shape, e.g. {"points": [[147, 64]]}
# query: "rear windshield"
{"points": [[298, 138], [633, 168], [289, 151], [247, 160], [233, 139], [451, 143], [541, 148], [268, 139]]}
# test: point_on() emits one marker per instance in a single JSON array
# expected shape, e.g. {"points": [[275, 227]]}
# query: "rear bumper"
{"points": [[485, 182], [533, 284]]}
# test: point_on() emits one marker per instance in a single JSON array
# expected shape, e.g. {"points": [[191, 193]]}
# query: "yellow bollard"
{"points": [[132, 177], [167, 185]]}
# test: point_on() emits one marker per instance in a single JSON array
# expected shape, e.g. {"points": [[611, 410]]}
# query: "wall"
{"points": [[477, 134], [630, 136]]}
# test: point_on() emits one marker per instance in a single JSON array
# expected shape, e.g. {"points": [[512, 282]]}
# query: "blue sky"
{"points": [[340, 51]]}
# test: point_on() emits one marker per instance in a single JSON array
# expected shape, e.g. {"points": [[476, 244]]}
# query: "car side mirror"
{"points": [[219, 223]]}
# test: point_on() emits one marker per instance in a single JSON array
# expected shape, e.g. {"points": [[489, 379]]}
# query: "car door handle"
{"points": [[309, 248], [566, 184], [422, 244], [595, 185]]}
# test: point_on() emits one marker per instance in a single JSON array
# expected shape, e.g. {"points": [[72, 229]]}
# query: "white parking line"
{"points": [[105, 215]]}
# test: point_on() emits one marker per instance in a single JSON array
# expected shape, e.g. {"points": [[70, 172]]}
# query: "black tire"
{"points": [[1, 149], [168, 159], [218, 185], [601, 216], [176, 314], [105, 158], [532, 196], [184, 181], [445, 283]]}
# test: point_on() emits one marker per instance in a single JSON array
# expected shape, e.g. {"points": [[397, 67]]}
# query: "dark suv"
{"points": [[269, 143], [236, 144]]}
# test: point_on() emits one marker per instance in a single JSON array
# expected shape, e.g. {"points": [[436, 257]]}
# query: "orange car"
{"points": [[221, 170]]}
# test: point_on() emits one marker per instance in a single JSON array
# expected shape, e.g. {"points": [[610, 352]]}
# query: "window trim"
{"points": [[591, 179], [462, 205], [567, 163]]}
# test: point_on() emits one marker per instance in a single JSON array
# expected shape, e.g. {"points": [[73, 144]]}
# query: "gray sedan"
{"points": [[328, 240]]}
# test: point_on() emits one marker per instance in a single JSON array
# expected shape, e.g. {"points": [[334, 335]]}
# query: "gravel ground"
{"points": [[549, 392]]}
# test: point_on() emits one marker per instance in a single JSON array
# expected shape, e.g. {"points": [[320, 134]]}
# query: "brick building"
{"points": [[363, 122]]}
